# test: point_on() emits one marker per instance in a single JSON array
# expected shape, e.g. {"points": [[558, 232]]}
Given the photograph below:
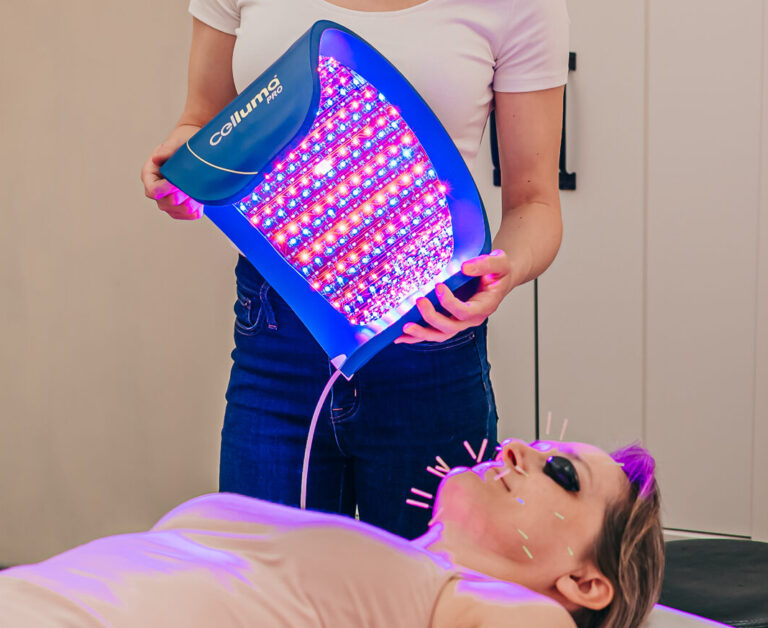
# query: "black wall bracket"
{"points": [[567, 179]]}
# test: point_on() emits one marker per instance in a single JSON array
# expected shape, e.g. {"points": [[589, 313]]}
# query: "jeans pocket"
{"points": [[248, 315], [462, 338]]}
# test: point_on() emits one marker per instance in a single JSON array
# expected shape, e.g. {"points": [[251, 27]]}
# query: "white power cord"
{"points": [[310, 437]]}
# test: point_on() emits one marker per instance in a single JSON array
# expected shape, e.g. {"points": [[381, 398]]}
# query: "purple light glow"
{"points": [[357, 209]]}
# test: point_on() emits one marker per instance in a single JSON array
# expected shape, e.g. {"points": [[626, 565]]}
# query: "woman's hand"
{"points": [[169, 198], [497, 278], [210, 87]]}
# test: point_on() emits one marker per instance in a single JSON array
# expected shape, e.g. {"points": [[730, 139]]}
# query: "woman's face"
{"points": [[525, 511]]}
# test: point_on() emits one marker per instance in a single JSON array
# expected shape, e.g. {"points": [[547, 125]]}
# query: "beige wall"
{"points": [[115, 325]]}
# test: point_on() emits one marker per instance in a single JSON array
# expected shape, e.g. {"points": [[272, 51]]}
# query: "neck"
{"points": [[464, 553]]}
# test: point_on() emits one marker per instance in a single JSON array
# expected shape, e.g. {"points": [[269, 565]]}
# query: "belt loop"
{"points": [[266, 306]]}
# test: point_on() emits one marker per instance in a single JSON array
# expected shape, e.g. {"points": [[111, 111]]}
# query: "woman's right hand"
{"points": [[168, 197]]}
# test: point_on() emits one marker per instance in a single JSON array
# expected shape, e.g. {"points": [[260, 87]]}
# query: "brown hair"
{"points": [[629, 551]]}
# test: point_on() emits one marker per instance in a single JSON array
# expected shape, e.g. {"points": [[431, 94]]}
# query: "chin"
{"points": [[458, 494]]}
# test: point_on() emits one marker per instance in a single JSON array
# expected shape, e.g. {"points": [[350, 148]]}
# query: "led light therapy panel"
{"points": [[339, 184]]}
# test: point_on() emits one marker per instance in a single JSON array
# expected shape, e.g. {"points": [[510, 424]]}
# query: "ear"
{"points": [[588, 588]]}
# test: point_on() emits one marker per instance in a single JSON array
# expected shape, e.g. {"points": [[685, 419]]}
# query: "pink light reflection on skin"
{"points": [[497, 591]]}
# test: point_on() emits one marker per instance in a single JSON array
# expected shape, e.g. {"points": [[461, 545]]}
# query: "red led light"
{"points": [[338, 208]]}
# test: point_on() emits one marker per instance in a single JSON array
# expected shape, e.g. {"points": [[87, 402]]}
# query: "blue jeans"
{"points": [[377, 432]]}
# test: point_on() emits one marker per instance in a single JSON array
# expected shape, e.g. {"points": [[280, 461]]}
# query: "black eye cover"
{"points": [[561, 470]]}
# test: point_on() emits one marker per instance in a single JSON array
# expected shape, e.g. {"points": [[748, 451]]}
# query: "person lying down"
{"points": [[547, 534]]}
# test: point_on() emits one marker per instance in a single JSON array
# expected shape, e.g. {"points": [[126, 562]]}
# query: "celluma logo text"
{"points": [[266, 95]]}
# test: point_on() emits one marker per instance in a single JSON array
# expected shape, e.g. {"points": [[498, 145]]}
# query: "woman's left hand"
{"points": [[497, 278]]}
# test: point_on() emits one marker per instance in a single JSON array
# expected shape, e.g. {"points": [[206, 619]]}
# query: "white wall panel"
{"points": [[591, 298], [760, 443], [704, 94]]}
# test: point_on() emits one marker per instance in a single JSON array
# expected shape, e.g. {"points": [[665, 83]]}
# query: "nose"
{"points": [[518, 454]]}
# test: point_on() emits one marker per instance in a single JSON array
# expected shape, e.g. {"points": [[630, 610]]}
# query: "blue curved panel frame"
{"points": [[232, 158]]}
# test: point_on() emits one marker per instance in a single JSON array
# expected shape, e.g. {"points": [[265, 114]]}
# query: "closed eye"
{"points": [[562, 471]]}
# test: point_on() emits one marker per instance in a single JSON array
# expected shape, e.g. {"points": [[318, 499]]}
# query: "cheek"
{"points": [[564, 533], [546, 521]]}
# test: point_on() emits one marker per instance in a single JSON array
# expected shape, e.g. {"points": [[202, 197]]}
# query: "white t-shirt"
{"points": [[454, 52]]}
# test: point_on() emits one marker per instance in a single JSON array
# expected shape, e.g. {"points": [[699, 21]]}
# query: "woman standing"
{"points": [[430, 391]]}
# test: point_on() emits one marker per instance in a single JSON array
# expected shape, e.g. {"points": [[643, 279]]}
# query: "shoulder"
{"points": [[493, 603]]}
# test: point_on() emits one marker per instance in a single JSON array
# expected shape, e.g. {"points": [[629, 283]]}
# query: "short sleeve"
{"points": [[223, 15], [533, 52]]}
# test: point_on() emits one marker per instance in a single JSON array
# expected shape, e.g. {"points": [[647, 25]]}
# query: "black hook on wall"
{"points": [[567, 179]]}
